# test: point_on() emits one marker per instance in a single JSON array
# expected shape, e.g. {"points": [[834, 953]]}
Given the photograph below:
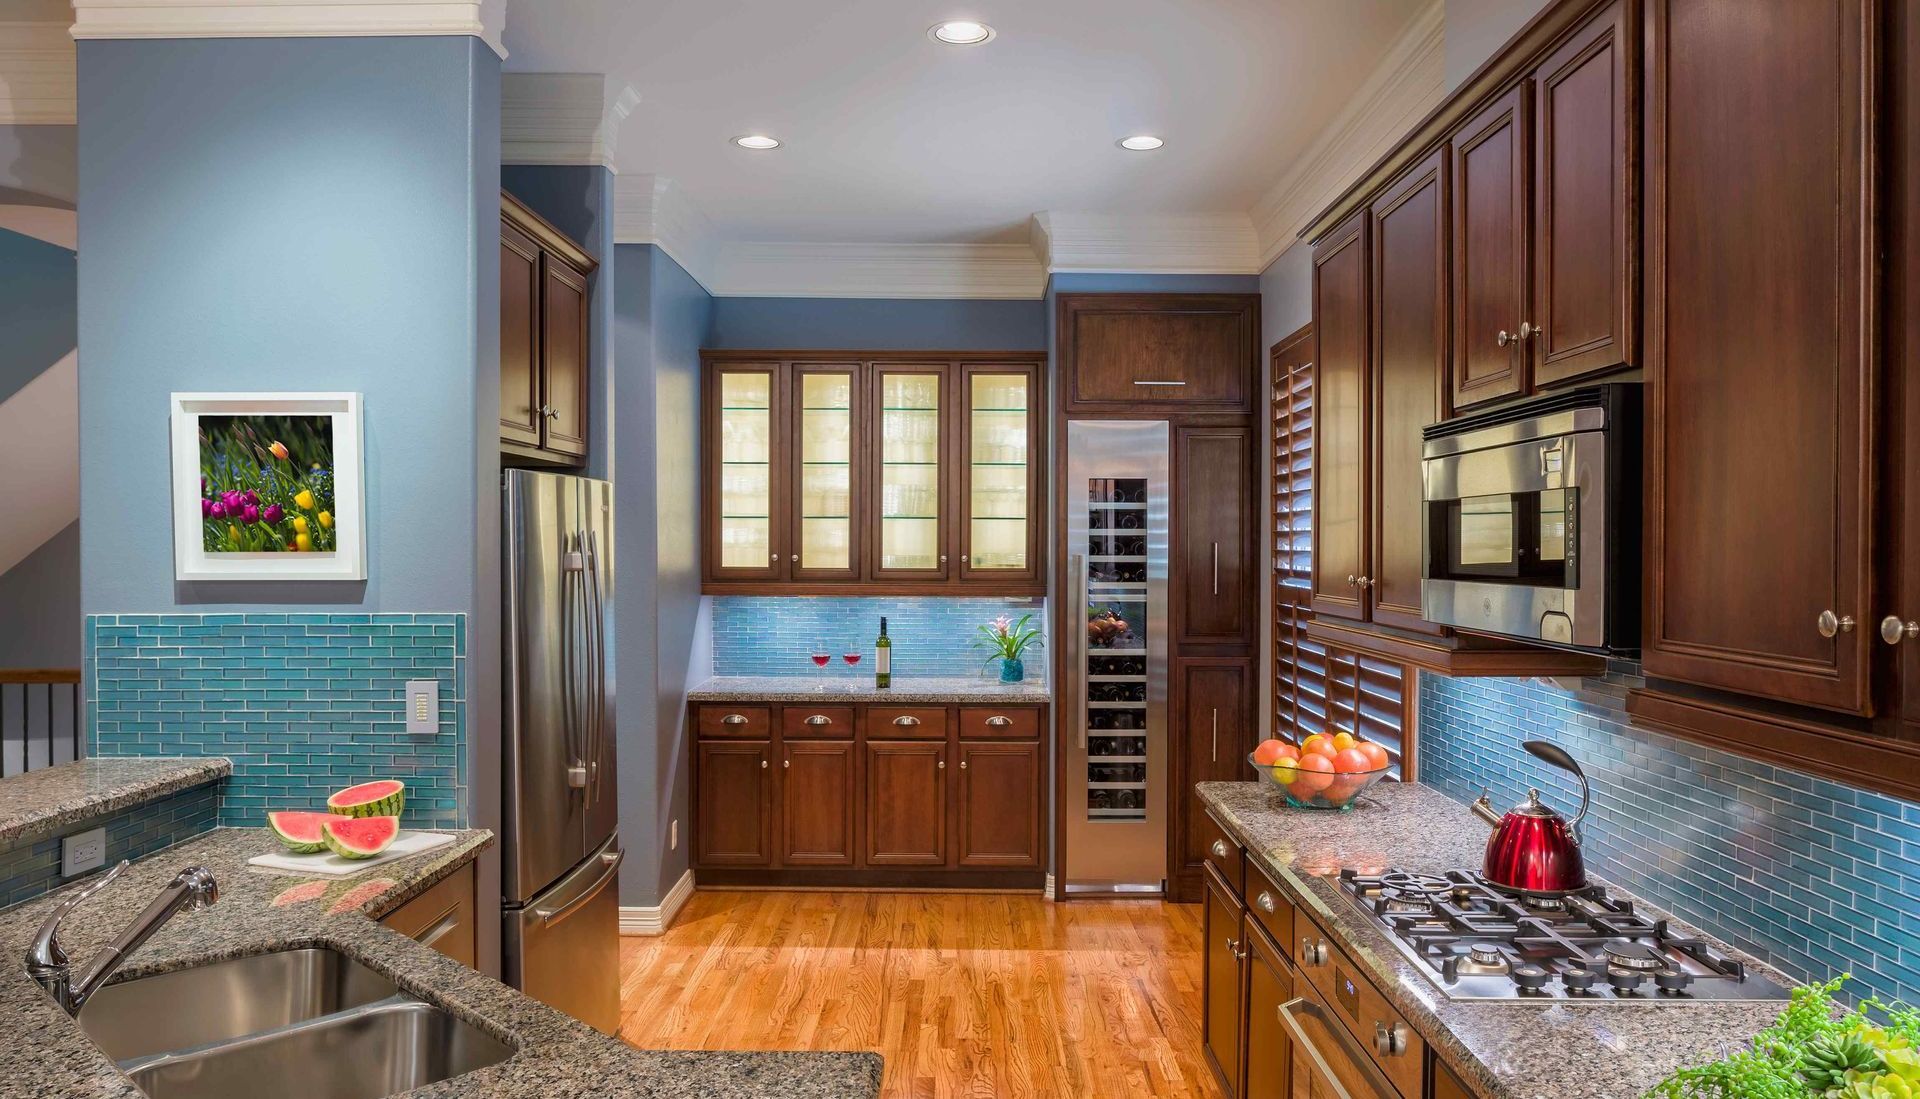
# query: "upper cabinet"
{"points": [[545, 310], [1126, 353], [1490, 255], [1340, 369], [864, 472]]}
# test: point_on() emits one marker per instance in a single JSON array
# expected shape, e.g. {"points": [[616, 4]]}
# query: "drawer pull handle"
{"points": [[1219, 849], [1160, 383], [999, 721], [907, 720], [1265, 901], [819, 719], [734, 719], [1389, 1040]]}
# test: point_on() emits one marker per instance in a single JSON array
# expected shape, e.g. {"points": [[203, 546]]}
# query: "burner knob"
{"points": [[1672, 980], [1577, 980], [1624, 980], [1530, 977]]}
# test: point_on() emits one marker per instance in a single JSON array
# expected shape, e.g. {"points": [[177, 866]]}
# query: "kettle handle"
{"points": [[1556, 755]]}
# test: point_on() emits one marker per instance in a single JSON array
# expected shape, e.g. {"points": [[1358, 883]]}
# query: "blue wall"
{"points": [[932, 636], [37, 308], [1813, 876], [895, 324], [37, 166], [40, 605]]}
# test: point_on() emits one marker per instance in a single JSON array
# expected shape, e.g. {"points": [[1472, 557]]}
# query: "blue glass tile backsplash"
{"points": [[32, 868], [303, 704], [1816, 877], [933, 636]]}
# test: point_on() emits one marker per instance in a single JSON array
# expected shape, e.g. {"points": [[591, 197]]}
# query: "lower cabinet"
{"points": [[906, 803], [1269, 1045], [1223, 995], [816, 803], [1214, 698], [999, 805], [733, 824], [443, 917]]}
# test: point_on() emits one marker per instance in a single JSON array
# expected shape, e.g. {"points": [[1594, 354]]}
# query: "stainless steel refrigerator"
{"points": [[1115, 647], [561, 854]]}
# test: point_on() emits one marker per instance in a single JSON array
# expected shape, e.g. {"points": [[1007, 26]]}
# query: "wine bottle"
{"points": [[883, 659]]}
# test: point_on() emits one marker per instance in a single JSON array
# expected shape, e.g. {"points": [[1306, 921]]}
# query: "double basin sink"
{"points": [[302, 1024]]}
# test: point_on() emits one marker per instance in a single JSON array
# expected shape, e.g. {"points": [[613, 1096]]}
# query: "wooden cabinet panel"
{"points": [[1269, 1046], [1191, 352], [999, 804], [743, 502], [563, 357], [1446, 1084], [1223, 853], [907, 722], [1340, 329], [520, 418], [816, 803], [1222, 984], [1347, 994], [1490, 241], [1760, 347], [734, 814], [825, 486], [999, 722], [1904, 350], [443, 917], [716, 719], [804, 722], [1215, 544], [1267, 903], [1001, 461], [1584, 258], [1409, 261], [906, 803], [1215, 699]]}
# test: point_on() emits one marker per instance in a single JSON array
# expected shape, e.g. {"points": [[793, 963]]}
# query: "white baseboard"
{"points": [[655, 919]]}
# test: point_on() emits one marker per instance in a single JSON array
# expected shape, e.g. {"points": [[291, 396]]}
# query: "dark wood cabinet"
{"points": [[906, 803], [1341, 328], [1269, 1058], [1490, 252], [1127, 353], [1903, 348], [1585, 260], [1215, 544], [1214, 699], [998, 804], [734, 816], [1222, 987], [545, 336], [1761, 448], [866, 473], [1445, 1083], [816, 803]]}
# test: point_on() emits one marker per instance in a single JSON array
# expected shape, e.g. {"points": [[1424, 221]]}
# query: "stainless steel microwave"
{"points": [[1532, 524]]}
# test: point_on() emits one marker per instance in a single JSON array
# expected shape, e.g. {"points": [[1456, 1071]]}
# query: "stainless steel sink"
{"points": [[314, 1022], [212, 1003], [363, 1053]]}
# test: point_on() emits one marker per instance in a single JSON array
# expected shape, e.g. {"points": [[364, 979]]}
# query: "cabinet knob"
{"points": [[1528, 331], [1830, 624], [1352, 579], [963, 558], [943, 558], [1893, 631], [1389, 1040], [1365, 581], [1503, 337], [763, 765], [1265, 902], [1313, 953], [943, 765], [773, 557], [818, 719], [785, 763], [963, 765], [1219, 849], [734, 719], [1237, 948], [795, 558]]}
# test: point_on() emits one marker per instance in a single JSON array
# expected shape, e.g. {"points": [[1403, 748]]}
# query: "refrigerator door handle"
{"points": [[1076, 641], [572, 564], [597, 669], [610, 872]]}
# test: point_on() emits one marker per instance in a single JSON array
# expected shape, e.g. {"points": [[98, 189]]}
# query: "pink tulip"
{"points": [[218, 511], [251, 496], [272, 514], [250, 514], [206, 508]]}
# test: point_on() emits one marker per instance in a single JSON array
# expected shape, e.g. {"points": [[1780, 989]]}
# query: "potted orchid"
{"points": [[1005, 639]]}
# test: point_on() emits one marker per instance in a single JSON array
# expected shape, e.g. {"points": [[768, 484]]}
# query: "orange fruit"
{"points": [[1351, 761], [1319, 744], [1270, 752], [1316, 774], [1377, 756]]}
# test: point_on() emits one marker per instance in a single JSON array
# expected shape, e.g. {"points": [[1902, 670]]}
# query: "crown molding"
{"points": [[1407, 84], [1186, 244], [652, 209], [804, 270], [37, 69], [483, 19], [561, 118]]}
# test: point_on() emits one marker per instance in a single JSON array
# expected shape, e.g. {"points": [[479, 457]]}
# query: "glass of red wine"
{"points": [[821, 658]]}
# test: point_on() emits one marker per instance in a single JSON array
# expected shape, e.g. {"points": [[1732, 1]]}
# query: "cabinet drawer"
{"points": [[1010, 723], [1270, 906], [1223, 854], [816, 722], [750, 722], [1382, 1032], [907, 722], [442, 917]]}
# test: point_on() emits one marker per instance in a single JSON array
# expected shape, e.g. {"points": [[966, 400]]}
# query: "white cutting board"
{"points": [[333, 866]]}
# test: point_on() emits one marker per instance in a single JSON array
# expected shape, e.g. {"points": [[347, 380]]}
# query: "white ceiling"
{"points": [[893, 138]]}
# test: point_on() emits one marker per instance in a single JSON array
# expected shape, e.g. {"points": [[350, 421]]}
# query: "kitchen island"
{"points": [[1501, 1049], [260, 912]]}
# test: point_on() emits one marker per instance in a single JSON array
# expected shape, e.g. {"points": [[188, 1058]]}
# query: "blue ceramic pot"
{"points": [[1011, 670]]}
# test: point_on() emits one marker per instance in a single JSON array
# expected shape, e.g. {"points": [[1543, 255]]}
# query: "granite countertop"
{"points": [[261, 911], [42, 803], [1506, 1049], [800, 688]]}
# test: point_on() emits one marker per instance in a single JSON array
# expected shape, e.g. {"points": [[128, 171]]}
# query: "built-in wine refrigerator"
{"points": [[1114, 697]]}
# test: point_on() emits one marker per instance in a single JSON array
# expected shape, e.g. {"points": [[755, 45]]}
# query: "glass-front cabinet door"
{"points": [[910, 539], [746, 534], [826, 494], [999, 472]]}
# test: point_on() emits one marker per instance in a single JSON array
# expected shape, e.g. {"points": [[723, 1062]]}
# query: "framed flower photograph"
{"points": [[267, 486]]}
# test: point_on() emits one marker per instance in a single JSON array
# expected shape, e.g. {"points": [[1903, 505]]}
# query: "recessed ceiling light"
{"points": [[757, 141], [961, 32], [1141, 143]]}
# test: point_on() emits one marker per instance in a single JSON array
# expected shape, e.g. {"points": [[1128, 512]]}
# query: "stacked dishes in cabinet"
{"points": [[1116, 669]]}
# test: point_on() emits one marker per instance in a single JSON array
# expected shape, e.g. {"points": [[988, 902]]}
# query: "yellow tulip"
{"points": [[278, 449], [300, 523], [326, 520], [304, 499], [233, 534], [302, 542]]}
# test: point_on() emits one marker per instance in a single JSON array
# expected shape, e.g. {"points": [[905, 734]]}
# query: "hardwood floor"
{"points": [[965, 995]]}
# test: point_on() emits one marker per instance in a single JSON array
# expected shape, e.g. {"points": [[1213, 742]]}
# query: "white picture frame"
{"points": [[193, 561]]}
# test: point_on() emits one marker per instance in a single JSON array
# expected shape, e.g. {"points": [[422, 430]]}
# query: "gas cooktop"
{"points": [[1480, 943]]}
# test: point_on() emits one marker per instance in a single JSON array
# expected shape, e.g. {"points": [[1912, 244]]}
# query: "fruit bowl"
{"points": [[1309, 789]]}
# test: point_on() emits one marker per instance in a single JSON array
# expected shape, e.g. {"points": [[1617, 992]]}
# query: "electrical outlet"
{"points": [[83, 851], [423, 706], [673, 835]]}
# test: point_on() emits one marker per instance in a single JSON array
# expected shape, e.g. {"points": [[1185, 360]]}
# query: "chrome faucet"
{"points": [[190, 890]]}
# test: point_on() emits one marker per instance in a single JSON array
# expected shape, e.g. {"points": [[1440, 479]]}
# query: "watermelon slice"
{"points": [[359, 837], [379, 798], [299, 832]]}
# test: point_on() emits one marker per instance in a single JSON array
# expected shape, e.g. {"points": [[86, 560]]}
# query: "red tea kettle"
{"points": [[1533, 849]]}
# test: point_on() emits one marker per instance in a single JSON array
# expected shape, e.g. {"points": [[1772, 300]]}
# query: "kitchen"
{"points": [[951, 609]]}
